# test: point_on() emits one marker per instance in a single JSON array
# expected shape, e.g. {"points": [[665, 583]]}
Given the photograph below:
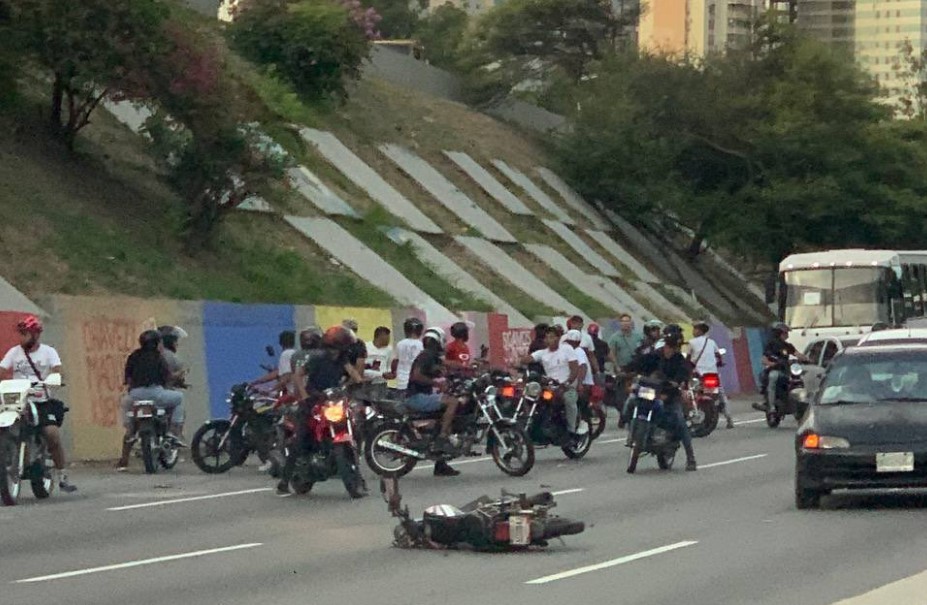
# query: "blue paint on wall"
{"points": [[756, 338], [235, 337], [728, 371]]}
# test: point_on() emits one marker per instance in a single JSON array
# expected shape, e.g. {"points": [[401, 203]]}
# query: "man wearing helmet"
{"points": [[775, 354], [652, 333], [668, 364], [426, 374], [32, 360], [407, 350]]}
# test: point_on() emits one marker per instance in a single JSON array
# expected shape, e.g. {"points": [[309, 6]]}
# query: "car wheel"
{"points": [[806, 499]]}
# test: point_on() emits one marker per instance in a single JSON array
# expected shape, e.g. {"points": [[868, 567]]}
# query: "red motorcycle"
{"points": [[333, 453], [703, 404]]}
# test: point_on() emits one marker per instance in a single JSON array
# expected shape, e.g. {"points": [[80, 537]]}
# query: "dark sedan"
{"points": [[867, 425]]}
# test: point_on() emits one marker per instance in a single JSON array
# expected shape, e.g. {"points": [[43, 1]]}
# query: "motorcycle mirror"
{"points": [[53, 380], [270, 350]]}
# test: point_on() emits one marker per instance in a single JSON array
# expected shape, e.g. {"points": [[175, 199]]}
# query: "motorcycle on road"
{"points": [[543, 417], [790, 399], [149, 428], [645, 436], [24, 452]]}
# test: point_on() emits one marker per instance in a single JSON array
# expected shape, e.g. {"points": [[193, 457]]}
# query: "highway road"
{"points": [[728, 533]]}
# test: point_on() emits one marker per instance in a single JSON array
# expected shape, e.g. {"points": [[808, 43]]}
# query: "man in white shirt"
{"points": [[407, 350], [32, 360], [379, 364], [284, 369], [585, 378], [705, 355], [561, 364], [586, 342]]}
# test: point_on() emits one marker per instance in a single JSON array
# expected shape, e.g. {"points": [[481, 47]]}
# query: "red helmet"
{"points": [[338, 337], [30, 325]]}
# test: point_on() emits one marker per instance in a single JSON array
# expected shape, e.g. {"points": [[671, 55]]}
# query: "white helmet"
{"points": [[435, 333]]}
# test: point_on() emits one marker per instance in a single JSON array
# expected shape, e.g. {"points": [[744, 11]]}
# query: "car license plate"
{"points": [[519, 530], [647, 393], [895, 462]]}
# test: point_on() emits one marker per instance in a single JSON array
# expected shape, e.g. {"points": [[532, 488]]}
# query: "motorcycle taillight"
{"points": [[501, 531], [711, 381]]}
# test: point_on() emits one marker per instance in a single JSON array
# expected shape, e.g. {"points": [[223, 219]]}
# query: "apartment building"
{"points": [[881, 28]]}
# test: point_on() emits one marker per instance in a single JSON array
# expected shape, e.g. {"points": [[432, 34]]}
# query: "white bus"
{"points": [[843, 293]]}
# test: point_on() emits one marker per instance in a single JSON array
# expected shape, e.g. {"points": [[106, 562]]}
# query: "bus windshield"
{"points": [[836, 297]]}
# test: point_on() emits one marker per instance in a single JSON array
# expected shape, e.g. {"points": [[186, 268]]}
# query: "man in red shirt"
{"points": [[457, 355]]}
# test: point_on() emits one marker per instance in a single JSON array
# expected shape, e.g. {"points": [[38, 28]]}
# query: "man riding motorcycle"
{"points": [[668, 363], [561, 364], [775, 354], [705, 356], [426, 373], [32, 360], [652, 332], [324, 368]]}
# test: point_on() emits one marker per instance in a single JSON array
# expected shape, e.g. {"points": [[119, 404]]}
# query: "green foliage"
{"points": [[314, 44], [776, 148], [400, 18], [441, 34], [8, 58]]}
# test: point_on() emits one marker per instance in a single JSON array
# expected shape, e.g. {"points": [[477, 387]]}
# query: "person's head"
{"points": [[30, 330], [433, 339], [540, 331], [413, 327], [552, 339], [310, 338], [575, 323], [780, 330], [700, 328], [573, 338], [381, 336], [593, 330], [652, 329], [287, 339], [170, 336], [149, 340], [559, 330], [460, 331], [671, 345], [337, 339], [350, 324], [674, 332], [626, 323]]}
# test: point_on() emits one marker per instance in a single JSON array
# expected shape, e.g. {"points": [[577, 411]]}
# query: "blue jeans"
{"points": [[673, 420], [163, 398], [424, 402]]}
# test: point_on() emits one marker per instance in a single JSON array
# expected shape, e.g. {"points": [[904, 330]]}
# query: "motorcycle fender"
{"points": [[344, 437], [8, 419]]}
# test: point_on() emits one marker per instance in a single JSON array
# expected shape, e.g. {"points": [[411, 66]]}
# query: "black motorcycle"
{"points": [[542, 414], [645, 435], [509, 523], [790, 393], [407, 437], [150, 431], [221, 444]]}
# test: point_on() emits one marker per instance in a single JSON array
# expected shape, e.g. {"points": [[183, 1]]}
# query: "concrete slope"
{"points": [[537, 194], [12, 299], [571, 197], [446, 193], [366, 263], [582, 248], [488, 183], [367, 179], [623, 256], [313, 189]]}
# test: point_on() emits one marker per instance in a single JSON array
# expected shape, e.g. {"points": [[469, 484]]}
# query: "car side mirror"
{"points": [[53, 380]]}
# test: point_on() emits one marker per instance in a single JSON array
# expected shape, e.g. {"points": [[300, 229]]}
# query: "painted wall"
{"points": [[226, 345]]}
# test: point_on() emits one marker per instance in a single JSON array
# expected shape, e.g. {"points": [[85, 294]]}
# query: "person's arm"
{"points": [[593, 362], [419, 377], [354, 377], [268, 377], [580, 374], [389, 372], [531, 357], [574, 372], [299, 381]]}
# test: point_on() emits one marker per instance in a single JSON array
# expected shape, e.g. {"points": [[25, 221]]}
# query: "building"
{"points": [[730, 23], [697, 27], [880, 30]]}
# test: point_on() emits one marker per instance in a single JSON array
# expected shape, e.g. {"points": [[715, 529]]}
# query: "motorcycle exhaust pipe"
{"points": [[393, 447]]}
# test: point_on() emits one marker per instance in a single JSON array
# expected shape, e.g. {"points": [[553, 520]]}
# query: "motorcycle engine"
{"points": [[318, 465]]}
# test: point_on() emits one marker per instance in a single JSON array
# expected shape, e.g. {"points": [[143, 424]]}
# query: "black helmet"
{"points": [[149, 339], [779, 328], [169, 336], [460, 330], [672, 340], [673, 331], [413, 325]]}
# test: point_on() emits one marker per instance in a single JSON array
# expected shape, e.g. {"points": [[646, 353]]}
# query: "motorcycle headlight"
{"points": [[533, 389], [334, 413], [796, 369]]}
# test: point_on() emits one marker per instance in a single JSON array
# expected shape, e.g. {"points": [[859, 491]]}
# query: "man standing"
{"points": [[379, 357], [623, 343], [32, 360], [705, 356]]}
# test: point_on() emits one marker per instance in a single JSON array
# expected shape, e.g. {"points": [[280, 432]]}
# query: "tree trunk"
{"points": [[695, 246], [56, 103]]}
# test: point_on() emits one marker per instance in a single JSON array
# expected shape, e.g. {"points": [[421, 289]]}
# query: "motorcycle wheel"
{"points": [[556, 527], [10, 474], [349, 471], [520, 449], [168, 457], [148, 454], [581, 447], [638, 434], [387, 463], [773, 419], [41, 480], [597, 420], [709, 414], [665, 461], [302, 487], [203, 448]]}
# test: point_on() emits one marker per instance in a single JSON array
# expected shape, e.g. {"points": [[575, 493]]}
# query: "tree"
{"points": [[441, 34], [93, 48], [400, 18], [317, 45]]}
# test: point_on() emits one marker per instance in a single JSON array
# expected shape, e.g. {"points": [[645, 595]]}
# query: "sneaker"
{"points": [[65, 486], [443, 445], [283, 488], [760, 406], [266, 466], [443, 469], [691, 465], [730, 422]]}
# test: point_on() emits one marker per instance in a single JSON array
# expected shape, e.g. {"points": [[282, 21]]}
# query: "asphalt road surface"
{"points": [[728, 533]]}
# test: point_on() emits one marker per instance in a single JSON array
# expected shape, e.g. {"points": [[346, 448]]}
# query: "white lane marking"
{"points": [[619, 440], [763, 419], [456, 462], [91, 570], [564, 492], [192, 499], [613, 562], [734, 461]]}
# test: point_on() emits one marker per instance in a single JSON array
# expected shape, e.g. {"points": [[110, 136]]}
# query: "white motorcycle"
{"points": [[23, 450]]}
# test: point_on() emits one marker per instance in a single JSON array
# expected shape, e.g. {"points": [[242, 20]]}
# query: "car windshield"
{"points": [[835, 297], [884, 376]]}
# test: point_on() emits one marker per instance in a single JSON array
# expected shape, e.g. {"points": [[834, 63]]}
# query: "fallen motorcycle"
{"points": [[509, 523]]}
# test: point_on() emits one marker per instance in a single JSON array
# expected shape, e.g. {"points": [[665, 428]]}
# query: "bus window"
{"points": [[922, 288], [907, 281]]}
